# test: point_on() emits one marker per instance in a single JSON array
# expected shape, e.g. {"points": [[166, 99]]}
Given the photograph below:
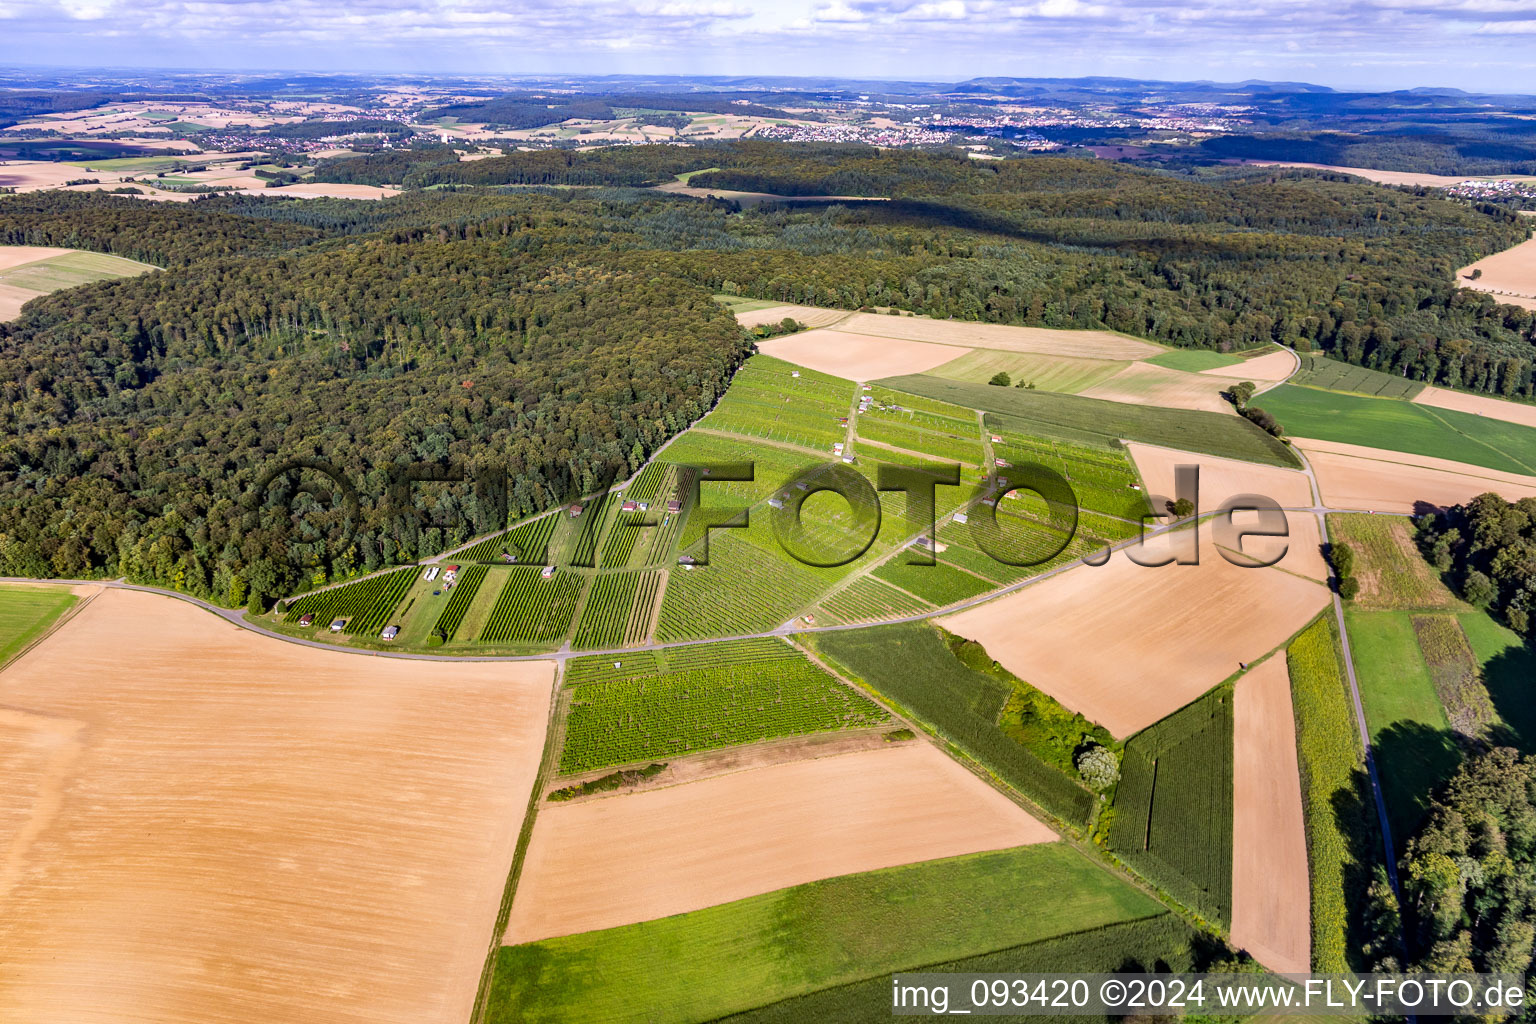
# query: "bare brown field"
{"points": [[20, 255], [1047, 341], [1269, 367], [1375, 480], [1146, 384], [30, 175], [811, 316], [12, 299], [1126, 645], [728, 760], [1271, 895], [641, 856], [325, 190], [1509, 275], [1220, 478], [1478, 405], [856, 356], [214, 827], [1223, 479]]}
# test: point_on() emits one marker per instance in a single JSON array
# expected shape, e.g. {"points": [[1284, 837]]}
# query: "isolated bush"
{"points": [[1343, 558], [1348, 587], [437, 639], [1000, 379], [1098, 766]]}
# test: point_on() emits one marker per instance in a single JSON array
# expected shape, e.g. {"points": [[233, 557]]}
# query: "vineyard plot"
{"points": [[531, 609], [618, 610], [526, 544], [635, 719], [366, 604], [463, 596]]}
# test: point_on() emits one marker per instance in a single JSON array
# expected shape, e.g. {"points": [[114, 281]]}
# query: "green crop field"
{"points": [[1159, 943], [1415, 749], [531, 609], [754, 952], [1342, 840], [1319, 371], [618, 610], [914, 666], [1101, 423], [1193, 360], [1173, 808], [1402, 427], [26, 613], [1047, 373], [366, 605], [686, 710], [470, 579]]}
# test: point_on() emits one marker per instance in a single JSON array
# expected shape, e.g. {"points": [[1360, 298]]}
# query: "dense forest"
{"points": [[534, 110], [1469, 890], [563, 334], [139, 414], [1487, 547], [1480, 145]]}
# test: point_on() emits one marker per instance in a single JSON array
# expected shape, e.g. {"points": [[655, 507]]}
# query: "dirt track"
{"points": [[637, 857], [204, 825], [1271, 895]]}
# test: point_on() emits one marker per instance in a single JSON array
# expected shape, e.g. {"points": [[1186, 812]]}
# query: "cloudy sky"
{"points": [[1474, 44]]}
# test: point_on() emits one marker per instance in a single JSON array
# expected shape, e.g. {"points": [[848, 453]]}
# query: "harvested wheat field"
{"points": [[856, 356], [1272, 366], [1126, 645], [966, 334], [215, 827], [1509, 275], [1353, 476], [1478, 405], [1271, 895], [1146, 384], [811, 316], [1385, 177], [1061, 374], [1224, 479], [637, 857]]}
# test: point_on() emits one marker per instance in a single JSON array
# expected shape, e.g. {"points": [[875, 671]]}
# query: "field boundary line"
{"points": [[53, 627], [520, 851]]}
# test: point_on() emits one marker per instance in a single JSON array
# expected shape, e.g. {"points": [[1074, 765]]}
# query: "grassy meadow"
{"points": [[1402, 427], [754, 952], [26, 613]]}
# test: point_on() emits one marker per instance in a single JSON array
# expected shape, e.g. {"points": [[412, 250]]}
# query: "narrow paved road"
{"points": [[237, 617]]}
